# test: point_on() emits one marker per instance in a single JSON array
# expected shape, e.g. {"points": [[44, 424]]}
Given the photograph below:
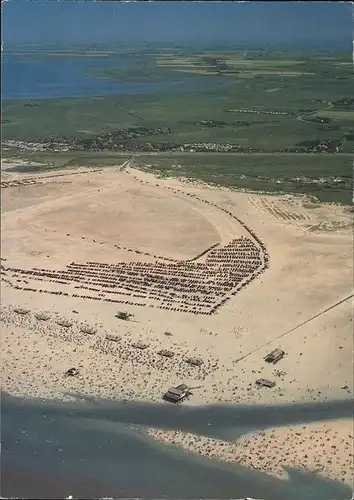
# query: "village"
{"points": [[261, 112], [116, 143]]}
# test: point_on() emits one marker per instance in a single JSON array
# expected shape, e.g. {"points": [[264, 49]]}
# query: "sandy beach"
{"points": [[325, 449], [207, 274]]}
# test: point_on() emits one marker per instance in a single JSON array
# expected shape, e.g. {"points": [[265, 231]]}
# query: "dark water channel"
{"points": [[23, 169], [93, 449]]}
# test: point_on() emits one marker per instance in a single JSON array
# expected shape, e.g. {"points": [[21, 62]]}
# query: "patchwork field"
{"points": [[338, 115], [251, 63], [277, 88]]}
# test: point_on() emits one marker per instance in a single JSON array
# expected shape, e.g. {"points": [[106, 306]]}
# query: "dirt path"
{"points": [[297, 327]]}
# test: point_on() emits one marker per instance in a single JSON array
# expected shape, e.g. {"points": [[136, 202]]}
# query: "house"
{"points": [[166, 353], [194, 361], [177, 394], [72, 372], [274, 356], [263, 382], [140, 345]]}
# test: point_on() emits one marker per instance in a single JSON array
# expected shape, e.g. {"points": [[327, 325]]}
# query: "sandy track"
{"points": [[31, 212]]}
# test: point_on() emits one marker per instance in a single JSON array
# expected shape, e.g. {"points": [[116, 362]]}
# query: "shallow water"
{"points": [[96, 449], [23, 169], [59, 78]]}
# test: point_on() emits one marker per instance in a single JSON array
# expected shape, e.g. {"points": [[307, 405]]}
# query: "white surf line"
{"points": [[296, 327]]}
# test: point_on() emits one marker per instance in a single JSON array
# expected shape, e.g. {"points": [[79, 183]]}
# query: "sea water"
{"points": [[92, 449], [38, 78]]}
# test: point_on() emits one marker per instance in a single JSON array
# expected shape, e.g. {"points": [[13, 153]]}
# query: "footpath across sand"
{"points": [[301, 303]]}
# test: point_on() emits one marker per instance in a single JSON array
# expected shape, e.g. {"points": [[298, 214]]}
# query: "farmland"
{"points": [[255, 102]]}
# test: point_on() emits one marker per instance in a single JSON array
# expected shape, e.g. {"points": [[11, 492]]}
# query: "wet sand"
{"points": [[104, 443], [322, 448]]}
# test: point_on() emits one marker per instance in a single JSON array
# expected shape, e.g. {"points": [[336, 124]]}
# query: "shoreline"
{"points": [[252, 449], [62, 329]]}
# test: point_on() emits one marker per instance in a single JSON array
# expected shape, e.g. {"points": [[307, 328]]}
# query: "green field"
{"points": [[337, 115], [250, 64], [303, 84], [327, 177], [182, 112]]}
